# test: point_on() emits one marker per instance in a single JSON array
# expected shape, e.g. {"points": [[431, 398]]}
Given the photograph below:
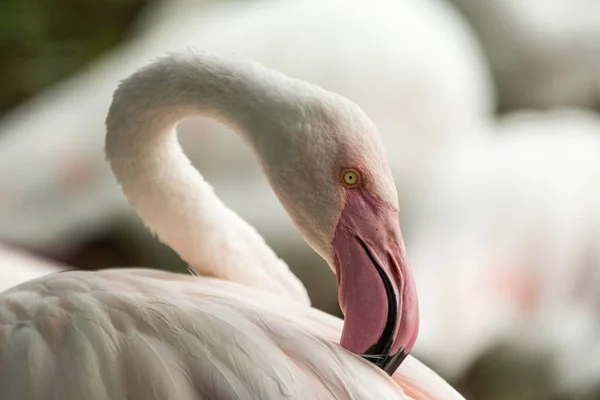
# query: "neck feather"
{"points": [[167, 192]]}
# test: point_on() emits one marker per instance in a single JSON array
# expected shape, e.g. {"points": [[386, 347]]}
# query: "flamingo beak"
{"points": [[376, 289]]}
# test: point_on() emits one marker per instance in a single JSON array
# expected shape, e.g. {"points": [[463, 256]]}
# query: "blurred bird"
{"points": [[543, 54], [243, 328], [508, 251], [17, 267], [401, 61]]}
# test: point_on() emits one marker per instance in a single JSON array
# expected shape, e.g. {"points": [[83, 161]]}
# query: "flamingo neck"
{"points": [[167, 192]]}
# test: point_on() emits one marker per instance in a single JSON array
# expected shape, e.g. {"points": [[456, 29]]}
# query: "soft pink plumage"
{"points": [[247, 332], [144, 334]]}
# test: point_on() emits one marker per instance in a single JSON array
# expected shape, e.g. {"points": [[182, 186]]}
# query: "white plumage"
{"points": [[508, 249], [140, 334], [243, 329]]}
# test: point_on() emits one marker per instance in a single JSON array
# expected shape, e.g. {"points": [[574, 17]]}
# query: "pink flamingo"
{"points": [[243, 328]]}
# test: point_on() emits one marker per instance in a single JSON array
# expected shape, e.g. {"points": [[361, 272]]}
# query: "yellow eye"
{"points": [[351, 177]]}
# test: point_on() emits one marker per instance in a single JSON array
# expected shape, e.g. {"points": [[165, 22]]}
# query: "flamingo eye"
{"points": [[351, 177]]}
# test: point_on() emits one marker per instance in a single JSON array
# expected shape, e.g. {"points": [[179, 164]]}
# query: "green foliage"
{"points": [[43, 41]]}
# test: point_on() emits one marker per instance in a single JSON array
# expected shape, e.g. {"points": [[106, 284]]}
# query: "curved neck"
{"points": [[167, 192]]}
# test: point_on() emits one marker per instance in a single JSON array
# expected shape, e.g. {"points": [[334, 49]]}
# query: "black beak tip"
{"points": [[388, 363], [393, 362]]}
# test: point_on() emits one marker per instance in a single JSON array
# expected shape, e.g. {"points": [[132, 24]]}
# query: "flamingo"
{"points": [[508, 253], [242, 328], [17, 267], [543, 54], [364, 50]]}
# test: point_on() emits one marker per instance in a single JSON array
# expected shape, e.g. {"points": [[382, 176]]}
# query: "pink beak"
{"points": [[376, 289]]}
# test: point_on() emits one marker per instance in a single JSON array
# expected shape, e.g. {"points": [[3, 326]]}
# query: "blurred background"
{"points": [[488, 110]]}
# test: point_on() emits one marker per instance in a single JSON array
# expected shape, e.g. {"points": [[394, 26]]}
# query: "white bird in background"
{"points": [[509, 250], [17, 267], [401, 61], [543, 54], [243, 328]]}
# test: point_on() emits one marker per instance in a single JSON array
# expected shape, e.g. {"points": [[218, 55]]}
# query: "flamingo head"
{"points": [[332, 175]]}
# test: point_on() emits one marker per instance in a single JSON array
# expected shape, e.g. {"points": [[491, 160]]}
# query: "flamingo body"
{"points": [[514, 222], [143, 334]]}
